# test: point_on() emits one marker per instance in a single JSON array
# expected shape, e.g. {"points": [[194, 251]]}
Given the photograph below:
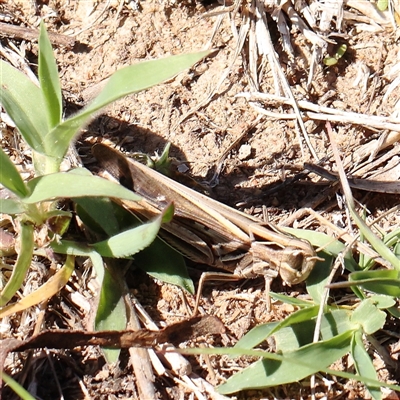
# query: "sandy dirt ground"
{"points": [[252, 151]]}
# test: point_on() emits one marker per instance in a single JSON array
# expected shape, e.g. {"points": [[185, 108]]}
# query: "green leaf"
{"points": [[369, 317], [336, 322], [111, 311], [294, 336], [293, 366], [101, 215], [21, 266], [319, 277], [159, 260], [392, 238], [377, 244], [129, 242], [72, 248], [363, 364], [382, 281], [23, 102], [297, 330], [306, 314], [10, 177], [70, 185], [162, 262], [256, 336], [128, 80], [382, 302], [299, 334], [11, 206], [295, 301], [394, 311], [49, 81], [163, 164]]}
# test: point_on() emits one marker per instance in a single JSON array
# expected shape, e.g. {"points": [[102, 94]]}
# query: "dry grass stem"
{"points": [[322, 113]]}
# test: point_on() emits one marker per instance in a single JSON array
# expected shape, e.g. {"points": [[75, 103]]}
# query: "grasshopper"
{"points": [[209, 232]]}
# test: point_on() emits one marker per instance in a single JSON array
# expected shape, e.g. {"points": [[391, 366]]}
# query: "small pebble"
{"points": [[244, 152]]}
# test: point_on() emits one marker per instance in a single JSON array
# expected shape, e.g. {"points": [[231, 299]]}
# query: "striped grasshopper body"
{"points": [[207, 231]]}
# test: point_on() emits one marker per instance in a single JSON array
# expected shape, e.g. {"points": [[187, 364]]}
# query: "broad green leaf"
{"points": [[47, 290], [382, 302], [394, 311], [382, 281], [10, 177], [159, 260], [236, 352], [298, 329], [336, 322], [299, 334], [24, 103], [72, 248], [363, 364], [305, 314], [21, 266], [170, 269], [49, 82], [257, 335], [294, 336], [129, 242], [111, 311], [70, 185], [101, 215], [128, 80], [319, 277], [293, 367], [11, 206], [369, 317], [162, 262]]}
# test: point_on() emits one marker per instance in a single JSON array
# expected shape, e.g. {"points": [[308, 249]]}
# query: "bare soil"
{"points": [[256, 176]]}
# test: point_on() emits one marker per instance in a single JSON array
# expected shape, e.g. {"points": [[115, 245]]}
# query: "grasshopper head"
{"points": [[296, 264]]}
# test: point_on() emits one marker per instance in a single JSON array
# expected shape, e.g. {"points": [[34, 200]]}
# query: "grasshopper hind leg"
{"points": [[212, 276], [226, 277]]}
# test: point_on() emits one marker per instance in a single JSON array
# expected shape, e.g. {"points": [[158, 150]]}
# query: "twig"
{"points": [[140, 360], [20, 32], [392, 187], [329, 114]]}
